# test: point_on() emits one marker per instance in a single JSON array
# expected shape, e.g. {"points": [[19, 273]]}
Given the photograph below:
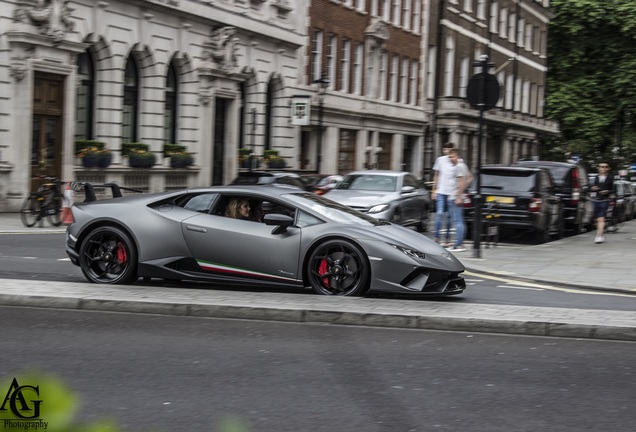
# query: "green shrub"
{"points": [[171, 149], [127, 148], [141, 159], [81, 145]]}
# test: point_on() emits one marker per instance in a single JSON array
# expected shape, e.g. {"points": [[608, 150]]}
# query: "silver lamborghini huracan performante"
{"points": [[253, 235]]}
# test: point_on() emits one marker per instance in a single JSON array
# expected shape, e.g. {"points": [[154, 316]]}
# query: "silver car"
{"points": [[284, 237], [395, 196]]}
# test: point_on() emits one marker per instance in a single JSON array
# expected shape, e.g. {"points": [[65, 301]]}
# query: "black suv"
{"points": [[289, 179], [572, 184], [520, 198]]}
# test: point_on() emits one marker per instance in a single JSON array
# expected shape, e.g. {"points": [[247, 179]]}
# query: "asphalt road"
{"points": [[173, 373], [42, 257]]}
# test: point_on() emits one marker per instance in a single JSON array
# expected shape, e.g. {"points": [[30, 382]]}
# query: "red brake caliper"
{"points": [[322, 269], [122, 256]]}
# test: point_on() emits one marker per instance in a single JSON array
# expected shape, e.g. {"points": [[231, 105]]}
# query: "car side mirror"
{"points": [[407, 189], [280, 221]]}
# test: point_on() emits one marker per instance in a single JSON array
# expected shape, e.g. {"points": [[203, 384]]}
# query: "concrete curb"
{"points": [[541, 326]]}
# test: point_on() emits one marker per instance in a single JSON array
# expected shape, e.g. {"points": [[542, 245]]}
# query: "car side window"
{"points": [[411, 181], [200, 203]]}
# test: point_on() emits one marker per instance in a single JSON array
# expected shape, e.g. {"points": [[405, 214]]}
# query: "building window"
{"points": [[503, 23], [130, 115], [346, 151], [386, 10], [374, 7], [494, 10], [417, 10], [520, 32], [449, 67], [84, 129], [331, 60], [357, 68], [512, 24], [528, 41], [430, 74], [481, 9], [501, 78], [509, 91], [345, 66], [404, 81], [397, 8], [463, 76], [170, 109], [382, 76], [517, 95], [413, 83], [361, 5], [316, 55], [393, 91], [525, 101], [468, 6], [406, 14]]}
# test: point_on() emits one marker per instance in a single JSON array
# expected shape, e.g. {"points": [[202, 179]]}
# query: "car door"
{"points": [[243, 248], [413, 202]]}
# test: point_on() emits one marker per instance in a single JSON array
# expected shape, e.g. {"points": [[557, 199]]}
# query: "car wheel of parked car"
{"points": [[338, 267], [543, 236], [108, 256]]}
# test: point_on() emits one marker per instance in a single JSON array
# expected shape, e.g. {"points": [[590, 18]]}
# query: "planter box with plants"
{"points": [[139, 155], [93, 154], [179, 157]]}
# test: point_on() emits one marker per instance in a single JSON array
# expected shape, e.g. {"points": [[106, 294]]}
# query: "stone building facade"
{"points": [[330, 85]]}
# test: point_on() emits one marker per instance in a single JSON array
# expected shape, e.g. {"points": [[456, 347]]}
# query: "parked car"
{"points": [[300, 240], [326, 184], [625, 199], [571, 182], [288, 179], [396, 196], [520, 198]]}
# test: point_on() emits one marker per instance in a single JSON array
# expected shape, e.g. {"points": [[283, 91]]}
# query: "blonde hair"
{"points": [[232, 209]]}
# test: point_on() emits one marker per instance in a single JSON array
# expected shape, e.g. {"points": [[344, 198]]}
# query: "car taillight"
{"points": [[576, 187], [535, 205]]}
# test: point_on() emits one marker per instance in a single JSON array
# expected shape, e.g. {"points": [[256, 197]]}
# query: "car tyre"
{"points": [[338, 267], [108, 256], [422, 226]]}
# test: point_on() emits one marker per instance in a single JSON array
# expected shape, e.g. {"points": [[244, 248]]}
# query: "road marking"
{"points": [[520, 287], [547, 287], [64, 259]]}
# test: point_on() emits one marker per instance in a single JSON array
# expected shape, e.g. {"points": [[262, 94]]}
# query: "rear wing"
{"points": [[89, 189]]}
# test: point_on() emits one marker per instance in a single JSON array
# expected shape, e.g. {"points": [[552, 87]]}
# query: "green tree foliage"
{"points": [[592, 78]]}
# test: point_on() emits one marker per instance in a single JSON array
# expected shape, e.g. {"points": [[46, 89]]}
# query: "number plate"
{"points": [[493, 231], [500, 200]]}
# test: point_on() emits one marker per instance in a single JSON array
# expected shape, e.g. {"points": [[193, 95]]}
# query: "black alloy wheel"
{"points": [[108, 256], [338, 267]]}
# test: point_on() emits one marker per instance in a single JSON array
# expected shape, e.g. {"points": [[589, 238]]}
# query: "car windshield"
{"points": [[368, 182], [511, 181], [332, 210], [558, 173]]}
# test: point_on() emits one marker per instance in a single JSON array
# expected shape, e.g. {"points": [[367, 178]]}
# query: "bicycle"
{"points": [[45, 203]]}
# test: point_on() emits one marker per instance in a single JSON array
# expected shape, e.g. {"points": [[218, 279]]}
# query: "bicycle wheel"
{"points": [[54, 209], [30, 212]]}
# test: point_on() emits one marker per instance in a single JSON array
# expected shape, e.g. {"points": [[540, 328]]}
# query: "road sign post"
{"points": [[483, 94]]}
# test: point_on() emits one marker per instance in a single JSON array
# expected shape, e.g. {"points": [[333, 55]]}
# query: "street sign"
{"points": [[483, 91]]}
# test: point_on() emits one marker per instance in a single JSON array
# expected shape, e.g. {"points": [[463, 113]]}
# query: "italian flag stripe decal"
{"points": [[220, 268]]}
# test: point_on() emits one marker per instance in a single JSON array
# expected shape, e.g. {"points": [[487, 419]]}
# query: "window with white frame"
{"points": [[464, 72], [393, 92], [406, 14], [449, 67], [540, 100], [510, 86], [345, 65], [503, 23], [468, 6], [348, 3], [430, 73], [533, 99], [528, 38], [404, 80], [501, 78], [417, 16], [386, 10], [517, 106], [525, 97], [331, 60], [374, 7], [358, 57], [361, 5], [512, 30], [413, 82], [481, 9], [494, 15], [397, 8], [520, 32], [316, 55], [382, 76]]}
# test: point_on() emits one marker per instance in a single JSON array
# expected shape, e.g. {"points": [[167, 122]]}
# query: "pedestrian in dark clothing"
{"points": [[602, 189]]}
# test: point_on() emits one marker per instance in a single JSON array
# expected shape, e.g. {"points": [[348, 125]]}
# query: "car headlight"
{"points": [[378, 208], [410, 252]]}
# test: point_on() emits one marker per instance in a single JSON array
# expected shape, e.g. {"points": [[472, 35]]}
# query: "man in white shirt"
{"points": [[444, 185]]}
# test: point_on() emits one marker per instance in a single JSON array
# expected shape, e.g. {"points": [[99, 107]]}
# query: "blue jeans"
{"points": [[441, 207], [457, 211]]}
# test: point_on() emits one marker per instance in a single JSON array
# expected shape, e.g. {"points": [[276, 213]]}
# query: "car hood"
{"points": [[356, 198]]}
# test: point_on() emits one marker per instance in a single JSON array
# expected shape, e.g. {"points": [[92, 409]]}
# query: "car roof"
{"points": [[545, 163], [379, 172], [510, 168]]}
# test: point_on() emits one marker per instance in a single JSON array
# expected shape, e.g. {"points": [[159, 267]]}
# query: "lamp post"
{"points": [[323, 83]]}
